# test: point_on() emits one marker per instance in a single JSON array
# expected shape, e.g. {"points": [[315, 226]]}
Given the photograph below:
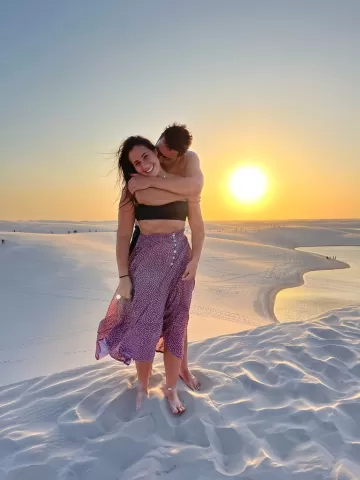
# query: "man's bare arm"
{"points": [[193, 171], [190, 185], [154, 196]]}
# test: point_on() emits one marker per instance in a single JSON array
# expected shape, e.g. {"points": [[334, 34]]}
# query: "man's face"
{"points": [[164, 153]]}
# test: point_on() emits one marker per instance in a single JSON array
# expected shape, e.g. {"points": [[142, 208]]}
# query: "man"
{"points": [[175, 158]]}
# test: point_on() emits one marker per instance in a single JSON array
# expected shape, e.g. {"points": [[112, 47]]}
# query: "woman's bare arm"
{"points": [[126, 219], [197, 227]]}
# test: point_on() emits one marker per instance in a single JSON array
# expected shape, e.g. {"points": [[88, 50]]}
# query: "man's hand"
{"points": [[138, 182]]}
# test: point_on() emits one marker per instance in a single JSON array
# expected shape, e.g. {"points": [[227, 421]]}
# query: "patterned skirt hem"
{"points": [[102, 350]]}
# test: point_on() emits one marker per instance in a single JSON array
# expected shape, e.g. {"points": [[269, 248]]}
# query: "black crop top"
{"points": [[169, 211]]}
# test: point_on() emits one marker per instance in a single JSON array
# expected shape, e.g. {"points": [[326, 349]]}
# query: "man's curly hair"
{"points": [[177, 137]]}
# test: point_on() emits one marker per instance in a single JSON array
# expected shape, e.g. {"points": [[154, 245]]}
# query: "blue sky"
{"points": [[277, 81]]}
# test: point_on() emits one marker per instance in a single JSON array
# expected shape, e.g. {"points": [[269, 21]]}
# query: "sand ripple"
{"points": [[278, 402]]}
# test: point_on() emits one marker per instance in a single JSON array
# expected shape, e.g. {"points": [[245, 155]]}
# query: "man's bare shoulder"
{"points": [[190, 155], [182, 165]]}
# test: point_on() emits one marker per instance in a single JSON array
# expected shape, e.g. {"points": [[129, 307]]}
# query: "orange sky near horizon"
{"points": [[299, 187], [277, 87]]}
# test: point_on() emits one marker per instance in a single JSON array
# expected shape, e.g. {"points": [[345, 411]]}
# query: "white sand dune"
{"points": [[280, 401]]}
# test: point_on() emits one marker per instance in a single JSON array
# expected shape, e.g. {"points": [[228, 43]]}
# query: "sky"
{"points": [[271, 83]]}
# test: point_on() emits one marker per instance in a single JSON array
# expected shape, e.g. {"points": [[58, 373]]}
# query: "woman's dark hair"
{"points": [[126, 168], [177, 137]]}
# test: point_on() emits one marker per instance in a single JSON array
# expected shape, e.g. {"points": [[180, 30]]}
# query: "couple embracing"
{"points": [[157, 267]]}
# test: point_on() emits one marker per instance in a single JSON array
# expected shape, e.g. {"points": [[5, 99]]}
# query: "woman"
{"points": [[152, 302]]}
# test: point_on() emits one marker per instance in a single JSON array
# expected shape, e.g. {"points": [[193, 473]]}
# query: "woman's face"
{"points": [[144, 161]]}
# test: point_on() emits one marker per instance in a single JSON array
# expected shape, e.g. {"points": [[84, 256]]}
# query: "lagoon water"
{"points": [[323, 290]]}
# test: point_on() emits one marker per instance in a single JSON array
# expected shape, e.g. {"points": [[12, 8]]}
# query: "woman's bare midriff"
{"points": [[149, 227]]}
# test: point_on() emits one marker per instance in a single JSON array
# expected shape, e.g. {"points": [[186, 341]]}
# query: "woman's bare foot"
{"points": [[188, 378], [141, 394], [175, 405]]}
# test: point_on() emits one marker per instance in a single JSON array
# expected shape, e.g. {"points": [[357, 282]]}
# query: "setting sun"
{"points": [[248, 184]]}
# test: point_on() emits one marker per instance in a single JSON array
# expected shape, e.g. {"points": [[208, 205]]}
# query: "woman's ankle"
{"points": [[169, 389], [142, 387]]}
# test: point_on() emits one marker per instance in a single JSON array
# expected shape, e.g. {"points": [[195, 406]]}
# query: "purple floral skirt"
{"points": [[158, 314]]}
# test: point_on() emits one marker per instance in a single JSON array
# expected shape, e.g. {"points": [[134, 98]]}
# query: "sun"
{"points": [[248, 184]]}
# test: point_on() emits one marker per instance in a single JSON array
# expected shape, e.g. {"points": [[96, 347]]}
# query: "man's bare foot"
{"points": [[141, 394], [188, 378], [175, 405]]}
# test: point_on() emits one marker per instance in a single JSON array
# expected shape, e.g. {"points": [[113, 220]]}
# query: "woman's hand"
{"points": [[125, 288], [190, 270]]}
